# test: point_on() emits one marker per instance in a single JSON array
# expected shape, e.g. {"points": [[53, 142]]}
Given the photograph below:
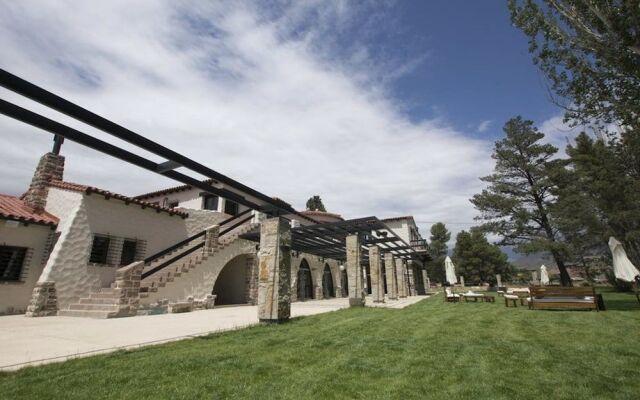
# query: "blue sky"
{"points": [[382, 108], [478, 66]]}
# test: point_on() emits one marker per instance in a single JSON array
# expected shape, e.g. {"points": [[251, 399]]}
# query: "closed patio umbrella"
{"points": [[544, 276], [450, 271], [622, 267]]}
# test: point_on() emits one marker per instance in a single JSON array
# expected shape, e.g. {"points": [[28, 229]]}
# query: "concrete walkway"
{"points": [[32, 341]]}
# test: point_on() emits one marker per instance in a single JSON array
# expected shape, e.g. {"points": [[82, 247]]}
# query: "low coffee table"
{"points": [[488, 298], [474, 296]]}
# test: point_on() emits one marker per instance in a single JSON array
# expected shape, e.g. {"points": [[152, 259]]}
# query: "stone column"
{"points": [[401, 278], [375, 265], [211, 239], [392, 281], [425, 279], [274, 271], [534, 277], [251, 293], [412, 279], [499, 280], [44, 301], [354, 271], [50, 167], [127, 286], [461, 280], [319, 293]]}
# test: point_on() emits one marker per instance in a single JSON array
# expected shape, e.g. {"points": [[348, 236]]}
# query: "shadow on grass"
{"points": [[630, 304]]}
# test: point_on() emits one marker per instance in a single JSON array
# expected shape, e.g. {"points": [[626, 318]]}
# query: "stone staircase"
{"points": [[188, 263], [123, 297]]}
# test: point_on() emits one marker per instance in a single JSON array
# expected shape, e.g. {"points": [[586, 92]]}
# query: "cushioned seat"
{"points": [[563, 300]]}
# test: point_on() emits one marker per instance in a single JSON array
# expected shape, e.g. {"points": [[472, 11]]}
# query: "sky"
{"points": [[381, 108]]}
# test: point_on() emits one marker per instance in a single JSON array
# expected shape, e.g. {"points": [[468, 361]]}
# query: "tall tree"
{"points": [[438, 248], [315, 204], [590, 51], [477, 260], [516, 204]]}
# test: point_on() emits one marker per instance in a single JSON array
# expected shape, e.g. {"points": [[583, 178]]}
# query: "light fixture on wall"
{"points": [[341, 267]]}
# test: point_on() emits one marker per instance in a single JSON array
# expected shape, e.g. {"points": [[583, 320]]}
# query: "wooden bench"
{"points": [[545, 297]]}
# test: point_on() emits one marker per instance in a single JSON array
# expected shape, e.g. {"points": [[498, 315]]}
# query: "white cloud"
{"points": [[268, 98], [484, 125]]}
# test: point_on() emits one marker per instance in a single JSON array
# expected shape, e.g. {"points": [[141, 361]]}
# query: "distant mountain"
{"points": [[533, 261]]}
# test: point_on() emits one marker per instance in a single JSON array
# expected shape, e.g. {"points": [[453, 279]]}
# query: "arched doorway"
{"points": [[344, 282], [327, 283], [305, 283], [231, 285]]}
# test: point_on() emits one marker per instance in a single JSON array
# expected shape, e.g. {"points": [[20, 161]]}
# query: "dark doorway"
{"points": [[344, 283], [327, 283], [231, 284], [305, 283]]}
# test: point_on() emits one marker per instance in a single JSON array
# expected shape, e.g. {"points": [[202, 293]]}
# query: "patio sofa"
{"points": [[544, 297]]}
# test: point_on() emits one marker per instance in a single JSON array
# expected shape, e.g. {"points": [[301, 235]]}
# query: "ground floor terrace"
{"points": [[35, 341], [429, 350]]}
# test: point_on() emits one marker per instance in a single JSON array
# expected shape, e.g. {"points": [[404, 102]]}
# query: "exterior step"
{"points": [[93, 307], [102, 295], [86, 314], [91, 300]]}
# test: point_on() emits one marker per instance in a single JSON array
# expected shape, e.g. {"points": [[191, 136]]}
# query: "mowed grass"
{"points": [[430, 350]]}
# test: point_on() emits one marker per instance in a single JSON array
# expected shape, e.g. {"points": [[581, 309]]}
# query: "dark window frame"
{"points": [[235, 207], [207, 198], [127, 256], [12, 271], [100, 255]]}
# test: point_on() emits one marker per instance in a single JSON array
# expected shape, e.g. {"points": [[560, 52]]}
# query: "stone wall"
{"points": [[50, 166]]}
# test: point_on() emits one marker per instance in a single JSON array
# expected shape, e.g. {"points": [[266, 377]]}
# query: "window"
{"points": [[99, 250], [11, 261], [173, 204], [210, 203], [129, 248], [230, 207]]}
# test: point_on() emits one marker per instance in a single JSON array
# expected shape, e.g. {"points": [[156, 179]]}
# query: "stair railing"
{"points": [[226, 226]]}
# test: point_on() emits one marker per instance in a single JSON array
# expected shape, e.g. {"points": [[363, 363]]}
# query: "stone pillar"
{"points": [[499, 280], [534, 277], [401, 278], [44, 301], [354, 271], [319, 293], [461, 280], [251, 294], [392, 281], [274, 273], [127, 286], [425, 279], [412, 279], [50, 167], [211, 239], [375, 265]]}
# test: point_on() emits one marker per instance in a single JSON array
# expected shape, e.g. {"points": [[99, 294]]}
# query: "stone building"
{"points": [[77, 250]]}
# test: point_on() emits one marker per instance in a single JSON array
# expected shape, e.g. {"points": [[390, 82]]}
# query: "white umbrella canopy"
{"points": [[622, 267], [450, 271], [544, 275]]}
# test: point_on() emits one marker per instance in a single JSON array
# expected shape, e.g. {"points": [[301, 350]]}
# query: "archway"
{"points": [[344, 282], [305, 283], [231, 284], [327, 283]]}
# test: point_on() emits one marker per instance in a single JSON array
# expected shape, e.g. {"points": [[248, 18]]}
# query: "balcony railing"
{"points": [[420, 245]]}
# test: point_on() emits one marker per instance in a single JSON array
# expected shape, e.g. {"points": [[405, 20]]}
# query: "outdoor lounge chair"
{"points": [[563, 298], [450, 297]]}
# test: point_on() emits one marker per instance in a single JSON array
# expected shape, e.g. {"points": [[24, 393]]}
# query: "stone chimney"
{"points": [[50, 166]]}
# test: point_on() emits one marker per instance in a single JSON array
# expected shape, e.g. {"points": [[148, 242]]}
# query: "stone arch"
{"points": [[304, 281], [328, 289], [232, 284]]}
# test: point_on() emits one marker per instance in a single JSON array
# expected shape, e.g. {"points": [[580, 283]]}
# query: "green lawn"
{"points": [[429, 350]]}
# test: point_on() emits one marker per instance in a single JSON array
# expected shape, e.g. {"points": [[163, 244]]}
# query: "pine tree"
{"points": [[516, 204], [477, 260], [315, 204], [438, 248]]}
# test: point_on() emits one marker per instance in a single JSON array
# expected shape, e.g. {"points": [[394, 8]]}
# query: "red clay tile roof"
{"points": [[107, 194], [170, 190], [15, 209]]}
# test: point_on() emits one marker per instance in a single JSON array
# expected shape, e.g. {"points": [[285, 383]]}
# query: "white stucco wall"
{"points": [[15, 296], [82, 216]]}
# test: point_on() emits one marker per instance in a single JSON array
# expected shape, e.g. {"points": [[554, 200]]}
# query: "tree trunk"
{"points": [[565, 279]]}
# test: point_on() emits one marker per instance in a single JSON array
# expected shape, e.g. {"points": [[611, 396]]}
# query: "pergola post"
{"points": [[375, 265], [274, 271], [412, 279], [354, 274], [392, 281], [401, 277], [425, 279]]}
